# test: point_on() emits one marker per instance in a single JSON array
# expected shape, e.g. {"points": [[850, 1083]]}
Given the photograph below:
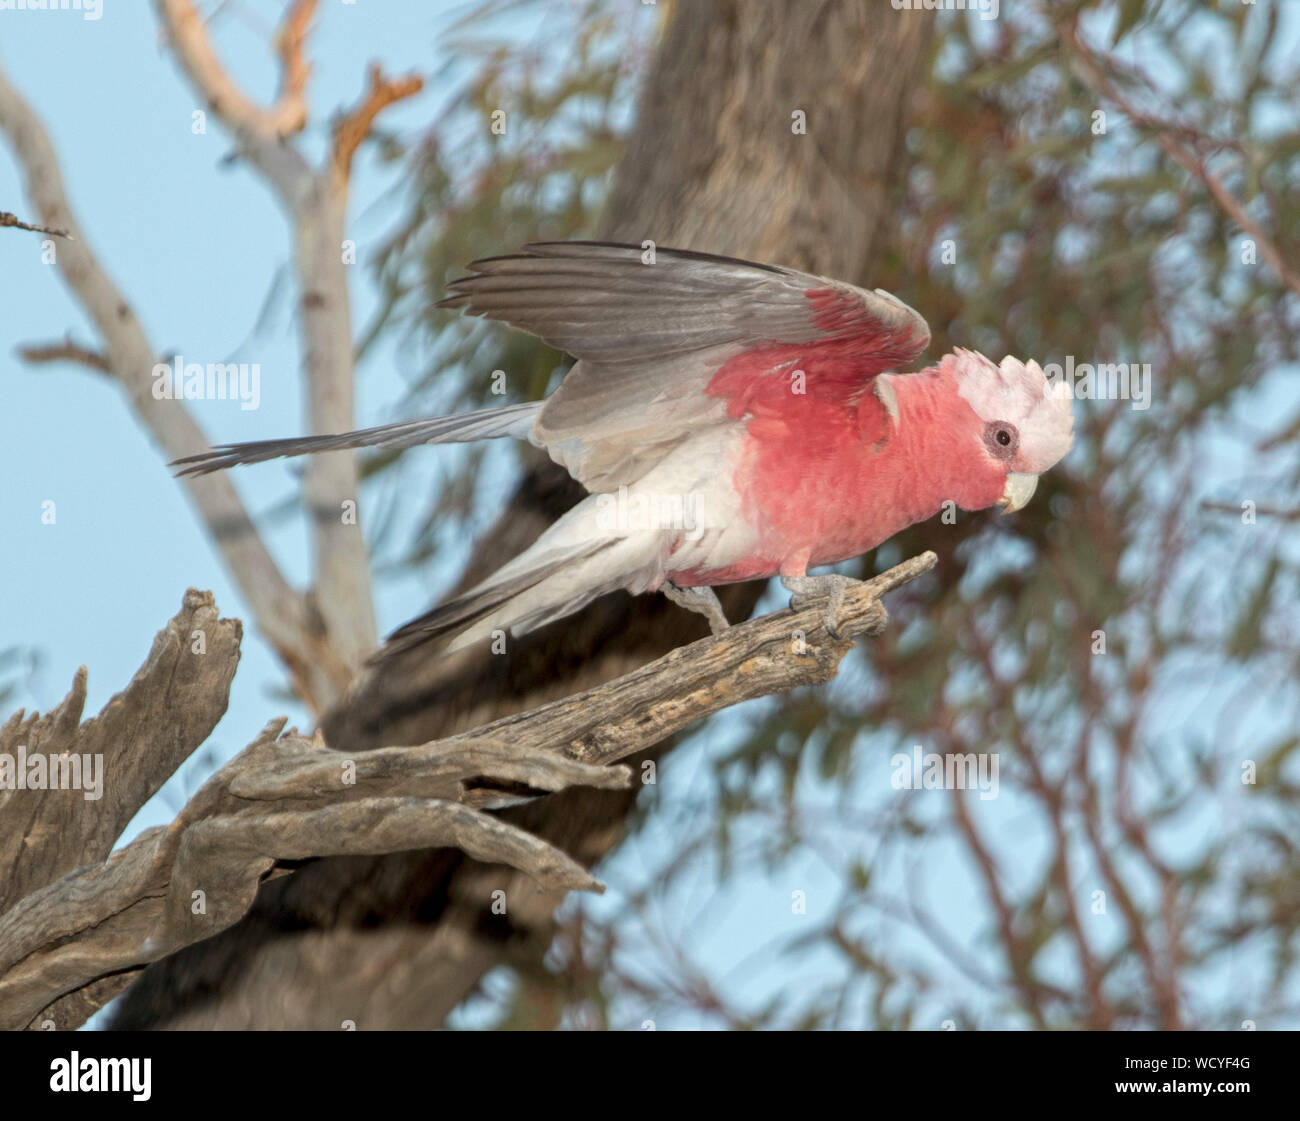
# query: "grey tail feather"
{"points": [[447, 619], [484, 424]]}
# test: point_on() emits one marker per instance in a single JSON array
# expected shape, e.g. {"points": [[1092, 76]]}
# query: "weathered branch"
{"points": [[68, 919], [771, 654], [122, 756], [286, 798]]}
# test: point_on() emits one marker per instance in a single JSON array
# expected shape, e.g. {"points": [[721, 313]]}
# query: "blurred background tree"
{"points": [[1107, 182]]}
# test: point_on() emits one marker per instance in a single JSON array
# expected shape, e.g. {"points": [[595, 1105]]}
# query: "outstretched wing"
{"points": [[675, 341]]}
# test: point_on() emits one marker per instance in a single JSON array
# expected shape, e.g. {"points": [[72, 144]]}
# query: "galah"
{"points": [[731, 421]]}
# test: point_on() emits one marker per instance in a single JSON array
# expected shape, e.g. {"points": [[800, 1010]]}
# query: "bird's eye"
{"points": [[1001, 438]]}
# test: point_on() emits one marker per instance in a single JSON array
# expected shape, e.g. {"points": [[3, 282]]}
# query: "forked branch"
{"points": [[79, 927]]}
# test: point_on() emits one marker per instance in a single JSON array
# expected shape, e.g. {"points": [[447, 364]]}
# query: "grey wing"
{"points": [[650, 332]]}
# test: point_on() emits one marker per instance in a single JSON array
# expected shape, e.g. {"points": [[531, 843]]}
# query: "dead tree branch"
{"points": [[143, 735], [75, 927], [73, 916]]}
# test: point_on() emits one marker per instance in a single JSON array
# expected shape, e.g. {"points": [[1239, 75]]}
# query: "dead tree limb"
{"points": [[143, 735], [78, 928]]}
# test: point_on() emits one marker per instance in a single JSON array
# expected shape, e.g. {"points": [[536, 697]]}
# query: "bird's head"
{"points": [[1023, 424]]}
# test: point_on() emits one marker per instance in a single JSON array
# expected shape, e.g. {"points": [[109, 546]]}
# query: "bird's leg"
{"points": [[809, 588], [703, 601]]}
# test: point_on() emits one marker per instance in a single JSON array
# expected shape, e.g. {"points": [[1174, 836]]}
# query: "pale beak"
{"points": [[1019, 490]]}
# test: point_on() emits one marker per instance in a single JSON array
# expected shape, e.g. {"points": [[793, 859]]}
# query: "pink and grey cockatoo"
{"points": [[731, 420]]}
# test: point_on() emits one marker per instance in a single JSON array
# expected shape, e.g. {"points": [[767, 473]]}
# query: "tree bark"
{"points": [[715, 163]]}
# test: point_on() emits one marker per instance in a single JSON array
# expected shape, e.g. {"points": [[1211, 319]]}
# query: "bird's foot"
{"points": [[703, 601], [806, 589]]}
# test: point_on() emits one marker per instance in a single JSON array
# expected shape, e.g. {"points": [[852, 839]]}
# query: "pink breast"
{"points": [[816, 473]]}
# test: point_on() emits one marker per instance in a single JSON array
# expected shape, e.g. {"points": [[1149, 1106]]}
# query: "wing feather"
{"points": [[650, 340]]}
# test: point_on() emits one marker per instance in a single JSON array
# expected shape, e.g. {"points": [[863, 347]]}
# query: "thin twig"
{"points": [[7, 219], [352, 128], [66, 351]]}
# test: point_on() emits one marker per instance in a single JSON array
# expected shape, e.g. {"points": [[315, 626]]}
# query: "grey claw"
{"points": [[703, 601], [808, 589]]}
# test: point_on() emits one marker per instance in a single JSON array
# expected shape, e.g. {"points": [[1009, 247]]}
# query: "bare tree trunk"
{"points": [[717, 162]]}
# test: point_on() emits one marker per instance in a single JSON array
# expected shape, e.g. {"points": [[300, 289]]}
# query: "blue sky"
{"points": [[194, 245]]}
